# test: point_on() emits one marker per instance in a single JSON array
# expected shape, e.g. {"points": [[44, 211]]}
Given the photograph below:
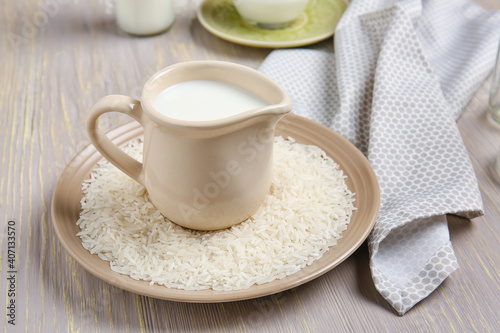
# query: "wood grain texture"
{"points": [[52, 70]]}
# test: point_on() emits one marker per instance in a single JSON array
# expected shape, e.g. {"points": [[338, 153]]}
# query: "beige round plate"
{"points": [[361, 180]]}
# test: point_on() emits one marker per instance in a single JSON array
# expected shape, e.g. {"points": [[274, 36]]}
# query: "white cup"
{"points": [[270, 13]]}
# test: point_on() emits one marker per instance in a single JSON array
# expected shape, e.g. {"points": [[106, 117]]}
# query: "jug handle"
{"points": [[130, 107]]}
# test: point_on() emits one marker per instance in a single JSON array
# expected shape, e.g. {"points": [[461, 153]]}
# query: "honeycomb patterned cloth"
{"points": [[400, 76]]}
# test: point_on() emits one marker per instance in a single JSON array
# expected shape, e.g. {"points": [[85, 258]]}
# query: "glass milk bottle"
{"points": [[144, 17], [494, 100]]}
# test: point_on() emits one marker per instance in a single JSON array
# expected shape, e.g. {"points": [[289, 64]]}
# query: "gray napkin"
{"points": [[401, 73]]}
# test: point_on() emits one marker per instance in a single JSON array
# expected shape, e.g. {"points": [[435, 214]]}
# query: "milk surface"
{"points": [[203, 100]]}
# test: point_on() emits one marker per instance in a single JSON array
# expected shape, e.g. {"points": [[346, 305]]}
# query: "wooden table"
{"points": [[52, 71]]}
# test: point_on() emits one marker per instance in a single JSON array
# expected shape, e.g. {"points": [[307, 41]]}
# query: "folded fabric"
{"points": [[400, 75]]}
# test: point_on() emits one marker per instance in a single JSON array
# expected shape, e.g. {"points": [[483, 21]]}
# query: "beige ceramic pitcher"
{"points": [[204, 175]]}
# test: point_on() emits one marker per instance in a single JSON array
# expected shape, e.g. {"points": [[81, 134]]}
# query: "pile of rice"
{"points": [[308, 207]]}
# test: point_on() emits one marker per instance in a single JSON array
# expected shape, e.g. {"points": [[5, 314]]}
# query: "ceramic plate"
{"points": [[317, 23], [360, 179]]}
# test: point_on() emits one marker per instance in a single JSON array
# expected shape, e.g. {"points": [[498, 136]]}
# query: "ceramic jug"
{"points": [[200, 174]]}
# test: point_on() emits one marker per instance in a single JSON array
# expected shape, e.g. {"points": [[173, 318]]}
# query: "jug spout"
{"points": [[263, 119], [275, 104], [278, 103]]}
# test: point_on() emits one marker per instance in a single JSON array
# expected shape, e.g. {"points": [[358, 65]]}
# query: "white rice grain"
{"points": [[307, 209]]}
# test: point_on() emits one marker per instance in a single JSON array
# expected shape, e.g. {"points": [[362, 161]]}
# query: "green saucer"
{"points": [[317, 23]]}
